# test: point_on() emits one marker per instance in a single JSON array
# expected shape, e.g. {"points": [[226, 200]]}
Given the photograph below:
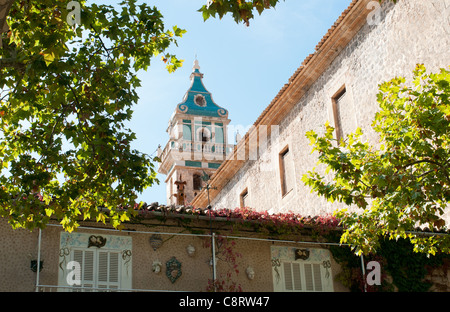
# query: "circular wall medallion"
{"points": [[200, 100]]}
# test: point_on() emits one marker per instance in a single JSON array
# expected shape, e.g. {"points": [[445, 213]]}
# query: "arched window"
{"points": [[204, 136]]}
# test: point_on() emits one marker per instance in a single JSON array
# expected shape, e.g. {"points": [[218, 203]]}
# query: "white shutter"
{"points": [[86, 260], [108, 270], [292, 276], [317, 277], [114, 267], [77, 255], [88, 269], [313, 277], [288, 284], [102, 268], [297, 276], [302, 276], [308, 277]]}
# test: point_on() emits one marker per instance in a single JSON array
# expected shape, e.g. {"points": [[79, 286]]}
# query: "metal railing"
{"points": [[196, 150], [56, 288]]}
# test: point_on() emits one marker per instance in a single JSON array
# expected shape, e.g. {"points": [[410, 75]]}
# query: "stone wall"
{"points": [[408, 33], [440, 278]]}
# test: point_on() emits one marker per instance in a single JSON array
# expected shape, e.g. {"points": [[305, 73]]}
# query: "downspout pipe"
{"points": [[38, 260], [363, 267], [213, 238]]}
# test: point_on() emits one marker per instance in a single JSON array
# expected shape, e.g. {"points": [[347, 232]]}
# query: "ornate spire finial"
{"points": [[196, 66]]}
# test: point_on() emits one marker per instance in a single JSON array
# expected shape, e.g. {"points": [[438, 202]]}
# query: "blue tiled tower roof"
{"points": [[197, 100]]}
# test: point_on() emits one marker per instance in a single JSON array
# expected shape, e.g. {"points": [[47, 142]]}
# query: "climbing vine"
{"points": [[226, 282], [402, 269]]}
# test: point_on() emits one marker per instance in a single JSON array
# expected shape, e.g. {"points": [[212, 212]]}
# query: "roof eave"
{"points": [[337, 37]]}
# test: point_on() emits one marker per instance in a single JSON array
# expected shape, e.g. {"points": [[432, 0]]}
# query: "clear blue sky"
{"points": [[243, 67]]}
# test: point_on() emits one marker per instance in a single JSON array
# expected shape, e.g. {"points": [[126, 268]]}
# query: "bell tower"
{"points": [[197, 142]]}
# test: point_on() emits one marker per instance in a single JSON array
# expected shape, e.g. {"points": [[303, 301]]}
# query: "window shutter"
{"points": [[88, 269], [114, 267], [86, 260], [313, 277], [292, 276], [317, 277], [78, 257], [288, 284], [308, 277], [108, 270], [299, 276]]}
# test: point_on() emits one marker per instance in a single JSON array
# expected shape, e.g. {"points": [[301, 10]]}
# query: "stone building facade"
{"points": [[369, 44]]}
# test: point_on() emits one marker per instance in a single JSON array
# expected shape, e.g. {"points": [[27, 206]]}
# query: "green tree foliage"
{"points": [[403, 182], [67, 91], [241, 10]]}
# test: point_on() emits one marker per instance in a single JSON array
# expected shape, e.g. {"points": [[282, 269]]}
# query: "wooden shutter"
{"points": [[288, 280], [317, 275], [108, 270], [99, 270], [297, 276], [292, 276], [86, 259], [302, 276]]}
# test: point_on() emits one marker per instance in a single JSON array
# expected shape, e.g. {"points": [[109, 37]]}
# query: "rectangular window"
{"points": [[99, 269], [338, 100], [286, 171], [301, 270], [197, 182], [243, 198], [103, 267]]}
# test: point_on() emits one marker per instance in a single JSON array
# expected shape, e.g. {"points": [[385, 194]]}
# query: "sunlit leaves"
{"points": [[402, 185], [67, 94], [240, 10]]}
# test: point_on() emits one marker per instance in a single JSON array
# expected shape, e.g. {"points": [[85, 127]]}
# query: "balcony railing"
{"points": [[196, 150], [56, 288]]}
